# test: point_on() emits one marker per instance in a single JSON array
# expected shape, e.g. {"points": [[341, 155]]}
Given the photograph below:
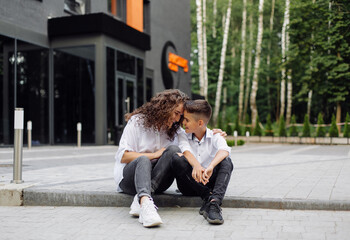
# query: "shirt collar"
{"points": [[208, 134]]}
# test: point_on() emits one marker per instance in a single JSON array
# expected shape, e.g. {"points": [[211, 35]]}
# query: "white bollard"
{"points": [[18, 146], [247, 136], [79, 134], [235, 134], [29, 132]]}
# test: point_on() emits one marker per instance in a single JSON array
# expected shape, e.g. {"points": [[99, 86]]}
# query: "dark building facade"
{"points": [[88, 61]]}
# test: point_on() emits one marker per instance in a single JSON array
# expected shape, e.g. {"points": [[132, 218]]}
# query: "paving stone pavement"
{"points": [[265, 175], [179, 223]]}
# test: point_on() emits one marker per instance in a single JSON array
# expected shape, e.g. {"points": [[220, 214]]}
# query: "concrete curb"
{"points": [[44, 197]]}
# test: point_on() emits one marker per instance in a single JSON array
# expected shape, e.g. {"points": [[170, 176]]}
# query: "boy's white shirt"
{"points": [[206, 149], [136, 138]]}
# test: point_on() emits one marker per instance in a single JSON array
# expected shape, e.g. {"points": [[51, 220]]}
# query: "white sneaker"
{"points": [[149, 216], [135, 207]]}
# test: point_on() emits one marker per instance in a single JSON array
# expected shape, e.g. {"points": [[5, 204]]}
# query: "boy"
{"points": [[204, 169]]}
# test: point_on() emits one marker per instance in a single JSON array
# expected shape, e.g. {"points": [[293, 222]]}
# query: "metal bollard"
{"points": [[235, 134], [247, 136], [79, 134], [29, 131], [18, 146]]}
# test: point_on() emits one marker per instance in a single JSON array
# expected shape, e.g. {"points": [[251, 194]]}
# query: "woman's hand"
{"points": [[219, 131], [158, 153]]}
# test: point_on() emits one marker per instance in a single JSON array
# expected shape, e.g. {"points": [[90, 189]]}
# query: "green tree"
{"points": [[346, 126], [320, 132], [268, 130], [282, 132], [293, 132], [333, 131], [306, 127], [257, 130]]}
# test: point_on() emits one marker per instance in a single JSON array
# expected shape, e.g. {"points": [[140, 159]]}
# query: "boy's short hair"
{"points": [[199, 107]]}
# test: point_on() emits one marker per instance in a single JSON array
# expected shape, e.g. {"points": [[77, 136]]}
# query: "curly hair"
{"points": [[156, 113]]}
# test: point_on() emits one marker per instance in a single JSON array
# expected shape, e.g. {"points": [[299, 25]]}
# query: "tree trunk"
{"points": [[268, 60], [249, 70], [200, 45], [338, 117], [214, 18], [284, 50], [253, 94], [289, 73], [222, 64], [205, 61], [242, 71], [309, 100]]}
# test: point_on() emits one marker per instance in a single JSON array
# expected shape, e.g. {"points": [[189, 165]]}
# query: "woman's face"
{"points": [[175, 115]]}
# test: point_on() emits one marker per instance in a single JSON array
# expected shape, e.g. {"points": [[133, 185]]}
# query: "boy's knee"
{"points": [[178, 162], [227, 164]]}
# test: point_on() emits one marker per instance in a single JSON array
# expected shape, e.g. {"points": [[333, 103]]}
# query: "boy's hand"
{"points": [[219, 131], [207, 174], [158, 153], [197, 173]]}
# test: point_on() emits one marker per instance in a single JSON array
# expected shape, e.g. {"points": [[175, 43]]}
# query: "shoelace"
{"points": [[150, 206], [215, 206]]}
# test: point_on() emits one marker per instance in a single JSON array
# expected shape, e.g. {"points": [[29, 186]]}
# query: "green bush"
{"points": [[269, 130], [333, 131], [231, 143], [257, 130], [347, 126], [293, 131], [320, 132], [306, 127], [282, 132]]}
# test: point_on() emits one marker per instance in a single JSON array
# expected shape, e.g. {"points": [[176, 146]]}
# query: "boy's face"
{"points": [[190, 123]]}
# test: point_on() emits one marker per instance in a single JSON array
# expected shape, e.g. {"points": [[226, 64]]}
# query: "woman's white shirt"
{"points": [[136, 138]]}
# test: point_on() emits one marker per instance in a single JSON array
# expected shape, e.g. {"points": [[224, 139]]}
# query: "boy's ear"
{"points": [[201, 123]]}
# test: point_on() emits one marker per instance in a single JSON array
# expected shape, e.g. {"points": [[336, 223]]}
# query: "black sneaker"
{"points": [[213, 213], [204, 207]]}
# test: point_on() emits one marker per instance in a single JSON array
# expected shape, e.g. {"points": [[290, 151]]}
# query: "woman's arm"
{"points": [[131, 156]]}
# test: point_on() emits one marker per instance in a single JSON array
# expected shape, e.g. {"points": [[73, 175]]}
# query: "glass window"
{"points": [[74, 93], [111, 107], [140, 85], [117, 8], [7, 89], [125, 63], [30, 91], [149, 89]]}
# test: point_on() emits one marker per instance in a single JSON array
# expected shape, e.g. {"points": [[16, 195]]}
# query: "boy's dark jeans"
{"points": [[214, 189], [146, 177]]}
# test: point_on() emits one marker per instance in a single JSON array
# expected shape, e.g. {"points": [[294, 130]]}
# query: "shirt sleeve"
{"points": [[128, 139], [221, 143], [184, 145]]}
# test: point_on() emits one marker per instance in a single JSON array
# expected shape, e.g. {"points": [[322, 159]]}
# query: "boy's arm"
{"points": [[220, 155]]}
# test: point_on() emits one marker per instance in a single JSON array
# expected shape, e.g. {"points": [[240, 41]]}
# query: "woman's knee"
{"points": [[144, 162], [173, 149]]}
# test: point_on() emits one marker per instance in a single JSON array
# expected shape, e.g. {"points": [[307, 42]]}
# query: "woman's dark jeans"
{"points": [[146, 177]]}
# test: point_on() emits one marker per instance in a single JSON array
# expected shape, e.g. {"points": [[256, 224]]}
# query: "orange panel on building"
{"points": [[134, 14]]}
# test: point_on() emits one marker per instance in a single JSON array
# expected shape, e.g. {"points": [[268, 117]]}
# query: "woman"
{"points": [[145, 150]]}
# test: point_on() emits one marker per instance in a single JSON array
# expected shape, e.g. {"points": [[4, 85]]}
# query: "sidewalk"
{"points": [[265, 176]]}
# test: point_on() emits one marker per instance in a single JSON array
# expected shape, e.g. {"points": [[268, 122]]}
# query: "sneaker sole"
{"points": [[215, 221], [134, 214], [153, 224]]}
